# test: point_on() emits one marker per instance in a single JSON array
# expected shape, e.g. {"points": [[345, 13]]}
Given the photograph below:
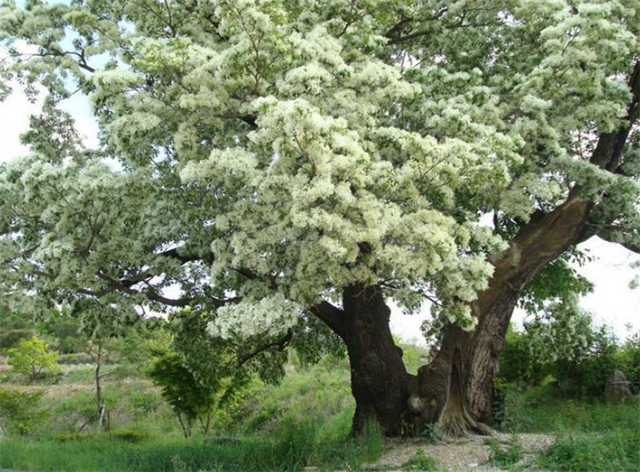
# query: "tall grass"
{"points": [[591, 436], [541, 410], [303, 421], [617, 451], [290, 448]]}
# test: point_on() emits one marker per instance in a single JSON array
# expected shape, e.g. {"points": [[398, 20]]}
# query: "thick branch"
{"points": [[631, 247], [331, 315], [177, 253]]}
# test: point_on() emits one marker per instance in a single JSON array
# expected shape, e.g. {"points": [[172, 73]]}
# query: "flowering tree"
{"points": [[287, 167]]}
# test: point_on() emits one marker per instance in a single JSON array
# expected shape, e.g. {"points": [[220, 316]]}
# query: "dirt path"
{"points": [[465, 455]]}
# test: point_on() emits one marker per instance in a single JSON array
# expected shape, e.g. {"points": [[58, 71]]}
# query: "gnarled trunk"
{"points": [[455, 390], [385, 393], [537, 244], [380, 382]]}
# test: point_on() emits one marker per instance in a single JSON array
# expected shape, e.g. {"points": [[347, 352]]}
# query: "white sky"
{"points": [[612, 302]]}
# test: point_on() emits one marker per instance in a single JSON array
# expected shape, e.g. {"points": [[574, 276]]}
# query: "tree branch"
{"points": [[331, 315], [280, 344]]}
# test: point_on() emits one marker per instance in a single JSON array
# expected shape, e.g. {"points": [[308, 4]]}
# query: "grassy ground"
{"points": [[590, 436], [303, 421]]}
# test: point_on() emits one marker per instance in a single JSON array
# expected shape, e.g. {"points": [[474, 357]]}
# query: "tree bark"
{"points": [[380, 382], [455, 390], [537, 244]]}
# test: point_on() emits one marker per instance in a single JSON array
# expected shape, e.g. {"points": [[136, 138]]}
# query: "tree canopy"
{"points": [[257, 158]]}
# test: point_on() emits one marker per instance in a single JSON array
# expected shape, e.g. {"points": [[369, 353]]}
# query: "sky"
{"points": [[613, 302]]}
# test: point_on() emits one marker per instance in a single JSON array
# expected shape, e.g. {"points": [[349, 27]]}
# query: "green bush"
{"points": [[21, 412], [33, 358], [505, 456], [144, 403], [129, 435], [518, 365], [420, 461], [611, 452], [9, 338], [587, 375]]}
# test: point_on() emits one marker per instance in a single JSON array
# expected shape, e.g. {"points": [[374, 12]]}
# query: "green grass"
{"points": [[303, 421], [617, 451], [542, 410], [505, 457], [292, 447], [420, 462], [591, 436]]}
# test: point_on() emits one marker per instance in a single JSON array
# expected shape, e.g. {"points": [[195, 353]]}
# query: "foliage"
{"points": [[21, 412], [558, 281], [13, 328], [518, 364], [65, 330], [627, 359], [292, 447], [505, 456], [542, 410], [607, 452], [420, 461], [33, 358], [566, 346], [281, 152], [191, 399]]}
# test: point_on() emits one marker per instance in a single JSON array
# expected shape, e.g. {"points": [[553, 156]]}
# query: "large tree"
{"points": [[288, 167]]}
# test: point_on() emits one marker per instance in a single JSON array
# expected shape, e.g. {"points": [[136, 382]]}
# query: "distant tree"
{"points": [[13, 328], [33, 358], [64, 331]]}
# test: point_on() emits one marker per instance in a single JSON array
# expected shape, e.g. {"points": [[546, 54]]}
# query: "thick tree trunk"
{"points": [[380, 383], [535, 246], [455, 390]]}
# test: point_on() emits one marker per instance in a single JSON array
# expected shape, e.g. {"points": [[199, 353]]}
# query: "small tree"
{"points": [[191, 400], [33, 358], [21, 412]]}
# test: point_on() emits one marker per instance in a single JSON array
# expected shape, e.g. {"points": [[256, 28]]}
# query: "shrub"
{"points": [[610, 452], [21, 412], [587, 375], [129, 435], [33, 358], [10, 338], [505, 456], [420, 461], [191, 399], [518, 365]]}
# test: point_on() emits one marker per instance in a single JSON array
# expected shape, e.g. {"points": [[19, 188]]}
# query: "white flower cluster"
{"points": [[269, 316]]}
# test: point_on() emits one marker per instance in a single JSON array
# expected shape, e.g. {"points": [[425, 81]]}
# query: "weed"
{"points": [[420, 461], [505, 457]]}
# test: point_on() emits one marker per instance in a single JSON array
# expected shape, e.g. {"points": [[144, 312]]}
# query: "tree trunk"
{"points": [[455, 390], [537, 244], [380, 383], [98, 357]]}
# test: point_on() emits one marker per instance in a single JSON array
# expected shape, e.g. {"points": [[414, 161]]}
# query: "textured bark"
{"points": [[380, 383], [534, 247]]}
